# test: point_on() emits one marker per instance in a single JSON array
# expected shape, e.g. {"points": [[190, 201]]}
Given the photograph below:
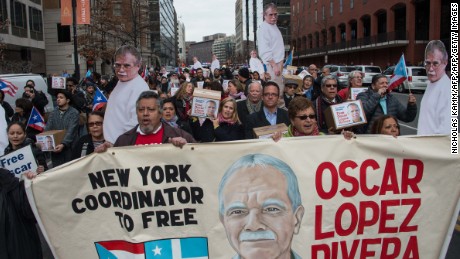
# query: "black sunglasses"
{"points": [[304, 117]]}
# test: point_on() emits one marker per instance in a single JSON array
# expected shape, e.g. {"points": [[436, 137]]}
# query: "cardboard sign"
{"points": [[345, 115], [205, 103], [354, 91], [58, 82], [296, 78], [19, 161], [268, 131], [48, 140], [303, 74]]}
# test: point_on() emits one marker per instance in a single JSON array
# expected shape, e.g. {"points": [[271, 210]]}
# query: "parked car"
{"points": [[368, 72], [19, 80], [416, 78], [341, 72]]}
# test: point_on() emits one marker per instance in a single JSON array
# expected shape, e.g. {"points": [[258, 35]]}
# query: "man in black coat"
{"points": [[270, 114], [252, 104]]}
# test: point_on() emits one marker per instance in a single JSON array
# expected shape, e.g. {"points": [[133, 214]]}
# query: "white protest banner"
{"points": [[306, 197], [19, 161]]}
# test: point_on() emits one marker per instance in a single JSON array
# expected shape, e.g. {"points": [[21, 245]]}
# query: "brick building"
{"points": [[366, 31]]}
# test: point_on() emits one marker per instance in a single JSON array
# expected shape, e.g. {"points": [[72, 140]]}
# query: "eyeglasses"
{"points": [[125, 66], [270, 94], [304, 117], [92, 124], [428, 64], [331, 85]]}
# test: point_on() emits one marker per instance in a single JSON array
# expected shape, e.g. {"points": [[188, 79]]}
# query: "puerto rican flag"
{"points": [[178, 248], [36, 120], [99, 100], [399, 74], [8, 87]]}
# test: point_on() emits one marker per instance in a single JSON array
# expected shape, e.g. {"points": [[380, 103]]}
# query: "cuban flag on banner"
{"points": [[36, 120], [399, 74], [8, 87], [99, 100], [178, 248]]}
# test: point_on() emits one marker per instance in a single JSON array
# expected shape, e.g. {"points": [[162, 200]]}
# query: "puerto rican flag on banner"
{"points": [[178, 248], [399, 74], [36, 120], [8, 87], [99, 100]]}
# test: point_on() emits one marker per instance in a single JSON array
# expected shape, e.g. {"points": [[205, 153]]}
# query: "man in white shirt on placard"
{"points": [[271, 47], [256, 65], [196, 63], [120, 114], [215, 64], [434, 115]]}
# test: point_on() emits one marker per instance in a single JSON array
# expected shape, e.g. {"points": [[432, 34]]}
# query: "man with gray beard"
{"points": [[260, 207]]}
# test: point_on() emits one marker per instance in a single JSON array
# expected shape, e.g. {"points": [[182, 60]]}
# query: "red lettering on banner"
{"points": [[412, 249], [363, 173], [415, 206], [349, 179], [385, 216], [389, 181], [338, 219], [366, 215], [386, 248], [391, 248], [319, 180], [414, 181], [363, 222], [318, 225]]}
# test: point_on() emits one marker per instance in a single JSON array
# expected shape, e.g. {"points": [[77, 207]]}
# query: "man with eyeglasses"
{"points": [[270, 114], [120, 114], [435, 108], [271, 47]]}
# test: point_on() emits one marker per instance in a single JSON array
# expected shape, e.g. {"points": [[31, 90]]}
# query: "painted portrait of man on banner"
{"points": [[260, 207]]}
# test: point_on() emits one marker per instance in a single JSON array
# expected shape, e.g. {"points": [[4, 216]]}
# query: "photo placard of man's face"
{"points": [[354, 113], [258, 214], [211, 109]]}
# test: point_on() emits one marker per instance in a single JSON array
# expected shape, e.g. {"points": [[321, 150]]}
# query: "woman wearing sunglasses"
{"points": [[86, 144]]}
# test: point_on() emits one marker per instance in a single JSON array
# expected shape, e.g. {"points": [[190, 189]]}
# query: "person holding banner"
{"points": [[387, 125], [17, 139], [260, 207], [377, 101], [19, 237], [227, 126], [150, 129]]}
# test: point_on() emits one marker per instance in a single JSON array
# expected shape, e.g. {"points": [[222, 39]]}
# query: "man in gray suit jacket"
{"points": [[270, 114]]}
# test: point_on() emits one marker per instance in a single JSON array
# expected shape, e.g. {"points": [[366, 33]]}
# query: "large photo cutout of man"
{"points": [[260, 207]]}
